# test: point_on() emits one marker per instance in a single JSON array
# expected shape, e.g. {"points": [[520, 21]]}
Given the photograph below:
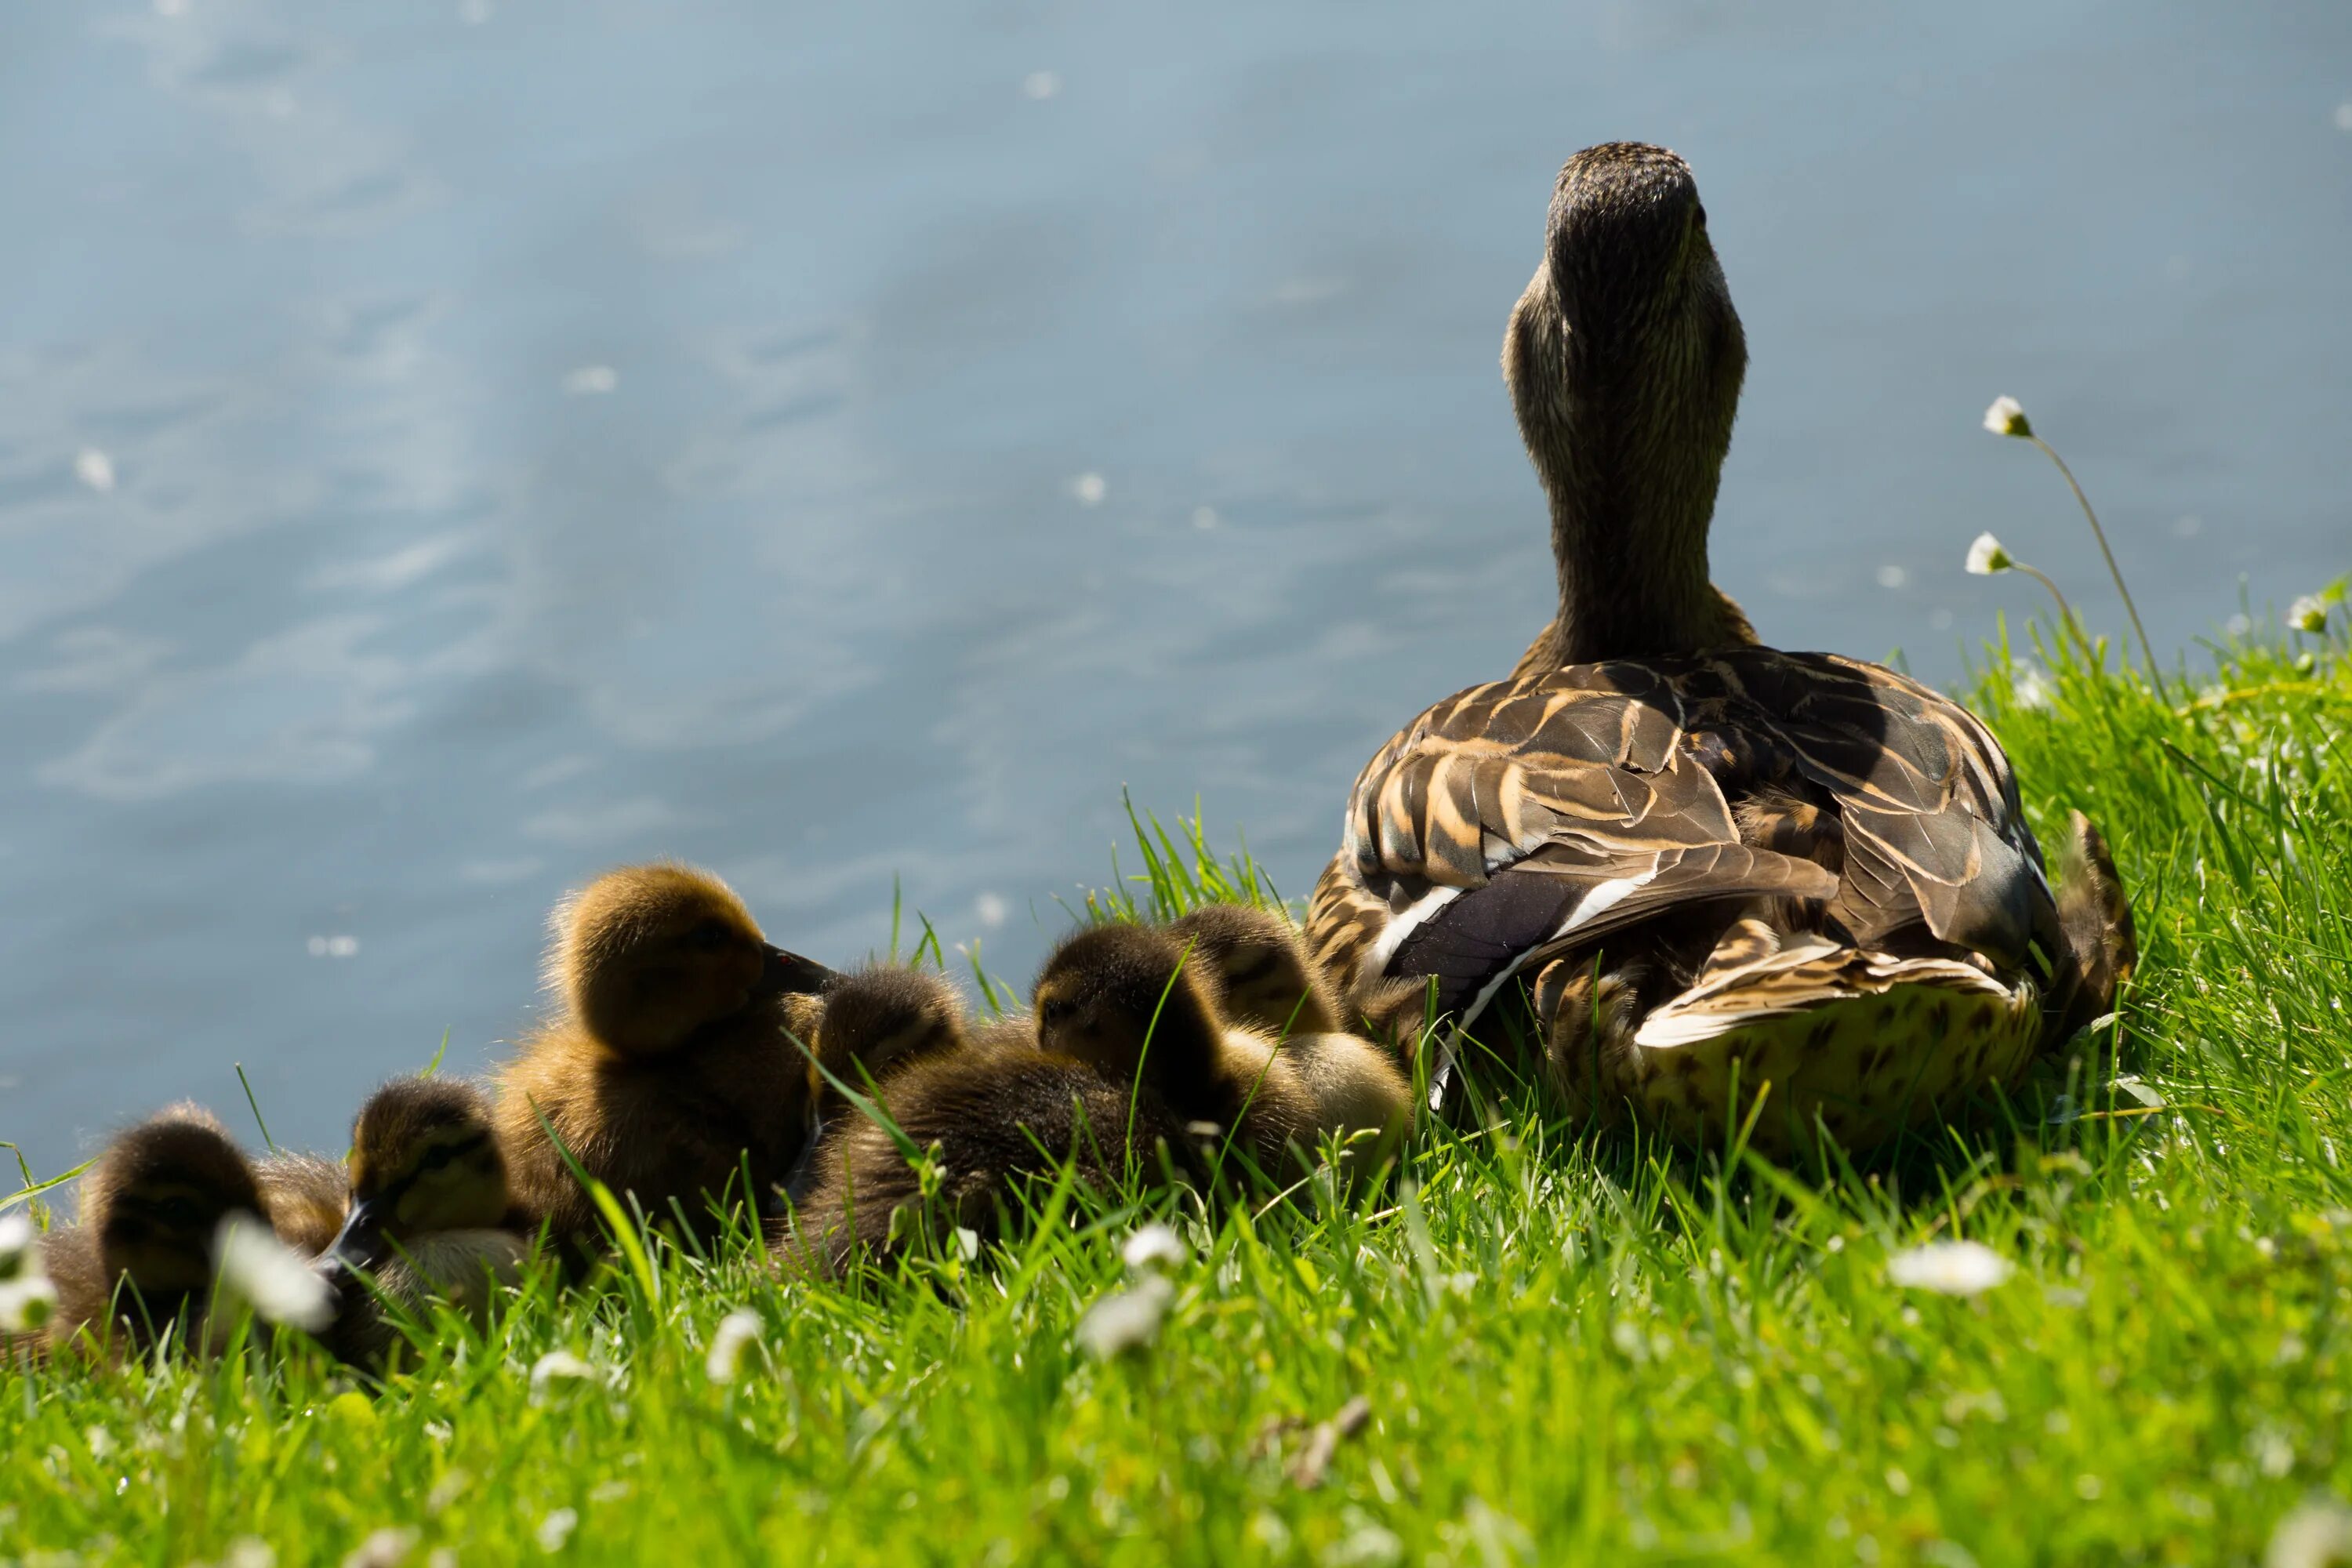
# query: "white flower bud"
{"points": [[2005, 417], [1985, 556]]}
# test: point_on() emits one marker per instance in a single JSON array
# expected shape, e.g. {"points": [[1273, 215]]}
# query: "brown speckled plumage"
{"points": [[1710, 861]]}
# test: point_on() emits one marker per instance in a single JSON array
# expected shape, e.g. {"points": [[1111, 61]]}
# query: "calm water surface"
{"points": [[446, 450]]}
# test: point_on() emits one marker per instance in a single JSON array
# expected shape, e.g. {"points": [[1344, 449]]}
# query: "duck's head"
{"points": [[423, 1158], [648, 954], [157, 1196], [1254, 962], [1625, 359], [1124, 998], [883, 1017]]}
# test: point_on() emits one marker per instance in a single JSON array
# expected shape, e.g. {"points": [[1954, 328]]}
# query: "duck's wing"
{"points": [[1529, 817], [1934, 831]]}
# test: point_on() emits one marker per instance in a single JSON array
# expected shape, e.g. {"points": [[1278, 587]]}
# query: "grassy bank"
{"points": [[1569, 1353]]}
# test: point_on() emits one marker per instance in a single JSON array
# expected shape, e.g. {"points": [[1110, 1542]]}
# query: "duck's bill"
{"points": [[789, 973], [358, 1245]]}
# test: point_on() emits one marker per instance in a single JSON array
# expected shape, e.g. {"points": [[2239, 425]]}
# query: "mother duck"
{"points": [[1729, 873]]}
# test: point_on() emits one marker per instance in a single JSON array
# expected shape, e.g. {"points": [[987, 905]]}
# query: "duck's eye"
{"points": [[1055, 1014], [181, 1212], [1698, 217], [708, 936], [439, 1157]]}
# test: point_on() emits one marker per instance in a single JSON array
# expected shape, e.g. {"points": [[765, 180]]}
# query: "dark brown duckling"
{"points": [[881, 1018], [1129, 1001], [138, 1267], [991, 1118], [431, 1214], [1258, 971], [668, 1067]]}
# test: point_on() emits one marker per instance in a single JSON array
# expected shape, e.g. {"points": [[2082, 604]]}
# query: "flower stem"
{"points": [[2154, 672], [2065, 610]]}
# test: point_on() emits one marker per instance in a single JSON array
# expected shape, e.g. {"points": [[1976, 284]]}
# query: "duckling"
{"points": [[1261, 969], [668, 1067], [1723, 866], [305, 1198], [992, 1117], [431, 1213], [138, 1265], [1255, 962], [879, 1019], [1129, 1001]]}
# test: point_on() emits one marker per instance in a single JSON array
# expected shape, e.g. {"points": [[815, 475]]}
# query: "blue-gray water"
{"points": [[445, 450]]}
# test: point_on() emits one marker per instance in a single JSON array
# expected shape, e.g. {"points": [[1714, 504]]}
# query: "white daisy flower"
{"points": [[2033, 690], [738, 1332], [2308, 614], [1155, 1246], [2318, 1534], [27, 1304], [1949, 1268], [558, 1366], [19, 1253], [385, 1548], [557, 1528], [1126, 1319], [263, 1272]]}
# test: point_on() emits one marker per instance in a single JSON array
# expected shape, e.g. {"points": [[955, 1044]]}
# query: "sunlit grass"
{"points": [[1570, 1353]]}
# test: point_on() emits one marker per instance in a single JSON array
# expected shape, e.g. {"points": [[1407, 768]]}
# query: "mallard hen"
{"points": [[1722, 867]]}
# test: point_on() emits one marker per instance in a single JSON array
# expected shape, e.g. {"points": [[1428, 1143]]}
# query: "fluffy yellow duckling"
{"points": [[431, 1213], [1258, 966], [668, 1067], [138, 1265]]}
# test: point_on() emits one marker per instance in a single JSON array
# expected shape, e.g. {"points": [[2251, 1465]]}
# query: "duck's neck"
{"points": [[1632, 554]]}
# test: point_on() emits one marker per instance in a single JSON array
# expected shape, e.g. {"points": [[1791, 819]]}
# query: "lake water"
{"points": [[446, 450]]}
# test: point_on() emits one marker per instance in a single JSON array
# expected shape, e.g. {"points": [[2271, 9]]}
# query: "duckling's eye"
{"points": [[707, 937], [181, 1212], [1698, 217], [439, 1157], [1055, 1014]]}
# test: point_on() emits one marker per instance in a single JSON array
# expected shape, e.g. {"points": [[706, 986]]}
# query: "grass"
{"points": [[1571, 1352]]}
